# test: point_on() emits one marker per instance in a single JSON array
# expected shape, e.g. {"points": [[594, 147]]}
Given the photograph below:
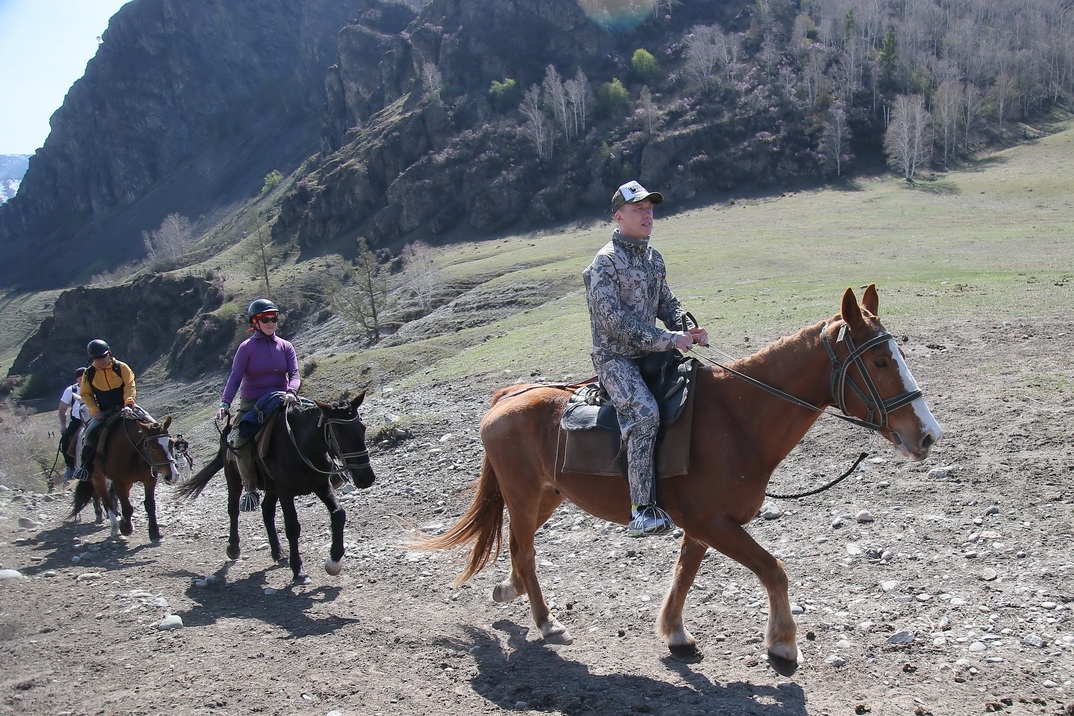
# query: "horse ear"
{"points": [[851, 312], [870, 300], [357, 400], [167, 422]]}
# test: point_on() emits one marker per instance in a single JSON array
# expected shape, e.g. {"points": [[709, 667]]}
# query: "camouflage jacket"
{"points": [[627, 290]]}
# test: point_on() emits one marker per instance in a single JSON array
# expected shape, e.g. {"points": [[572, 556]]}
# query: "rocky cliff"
{"points": [[184, 109], [151, 318]]}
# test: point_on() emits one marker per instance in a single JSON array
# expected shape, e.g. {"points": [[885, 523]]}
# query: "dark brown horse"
{"points": [[133, 451], [740, 433], [309, 447]]}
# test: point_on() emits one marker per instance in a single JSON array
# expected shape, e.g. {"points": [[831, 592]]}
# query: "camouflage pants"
{"points": [[639, 421]]}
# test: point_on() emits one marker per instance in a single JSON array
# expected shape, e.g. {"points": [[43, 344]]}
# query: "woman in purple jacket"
{"points": [[264, 363]]}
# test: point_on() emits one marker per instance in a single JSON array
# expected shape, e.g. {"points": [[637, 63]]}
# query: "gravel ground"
{"points": [[941, 587]]}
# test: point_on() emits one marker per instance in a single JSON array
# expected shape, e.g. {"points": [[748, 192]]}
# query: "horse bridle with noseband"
{"points": [[330, 439], [143, 452]]}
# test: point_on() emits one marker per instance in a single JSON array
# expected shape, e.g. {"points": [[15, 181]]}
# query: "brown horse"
{"points": [[742, 429], [133, 451]]}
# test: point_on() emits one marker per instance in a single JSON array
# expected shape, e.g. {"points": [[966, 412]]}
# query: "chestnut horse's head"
{"points": [[870, 380], [158, 448]]}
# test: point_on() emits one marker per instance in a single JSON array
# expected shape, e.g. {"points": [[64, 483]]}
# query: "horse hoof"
{"points": [[332, 566], [504, 592], [685, 652], [782, 665], [233, 551], [126, 529], [301, 578], [556, 633]]}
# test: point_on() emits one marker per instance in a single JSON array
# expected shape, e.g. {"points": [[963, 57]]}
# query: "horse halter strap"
{"points": [[333, 442], [877, 406]]}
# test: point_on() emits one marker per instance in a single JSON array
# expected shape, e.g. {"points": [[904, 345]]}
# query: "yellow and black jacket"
{"points": [[110, 388]]}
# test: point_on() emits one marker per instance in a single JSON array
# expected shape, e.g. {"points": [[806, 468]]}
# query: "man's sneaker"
{"points": [[82, 474], [68, 474], [649, 520], [250, 501]]}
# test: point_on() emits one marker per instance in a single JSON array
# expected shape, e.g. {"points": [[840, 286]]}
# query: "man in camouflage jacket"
{"points": [[627, 290]]}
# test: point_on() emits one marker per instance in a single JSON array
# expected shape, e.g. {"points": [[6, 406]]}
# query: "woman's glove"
{"points": [[221, 412]]}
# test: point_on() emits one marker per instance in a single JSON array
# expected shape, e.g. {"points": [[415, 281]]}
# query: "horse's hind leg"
{"points": [[234, 492], [523, 579], [150, 504], [669, 625], [334, 564], [268, 516], [126, 525], [293, 530]]}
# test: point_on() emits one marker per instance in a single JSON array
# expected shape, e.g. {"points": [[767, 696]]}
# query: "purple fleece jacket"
{"points": [[262, 364]]}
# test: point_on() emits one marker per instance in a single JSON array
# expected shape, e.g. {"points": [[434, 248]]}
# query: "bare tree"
{"points": [[703, 54], [362, 296], [556, 95], [972, 109], [431, 80], [536, 123], [579, 97], [420, 272], [835, 141], [908, 139], [1004, 92], [170, 241], [648, 110], [946, 106]]}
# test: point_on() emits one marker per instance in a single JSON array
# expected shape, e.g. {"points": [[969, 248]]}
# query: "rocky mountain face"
{"points": [[185, 108], [144, 321]]}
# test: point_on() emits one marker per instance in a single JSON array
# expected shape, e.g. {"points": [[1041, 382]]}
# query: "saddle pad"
{"points": [[263, 439], [597, 451]]}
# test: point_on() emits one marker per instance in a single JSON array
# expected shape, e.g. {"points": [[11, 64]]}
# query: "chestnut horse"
{"points": [[133, 451], [313, 444], [741, 431]]}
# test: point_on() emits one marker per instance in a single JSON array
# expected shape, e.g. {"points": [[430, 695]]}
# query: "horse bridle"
{"points": [[144, 452], [875, 405], [332, 441]]}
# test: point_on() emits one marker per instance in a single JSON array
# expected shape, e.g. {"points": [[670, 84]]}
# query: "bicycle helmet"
{"points": [[97, 349], [261, 305]]}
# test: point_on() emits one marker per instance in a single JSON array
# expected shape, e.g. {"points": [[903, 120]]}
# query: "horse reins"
{"points": [[144, 453], [837, 387]]}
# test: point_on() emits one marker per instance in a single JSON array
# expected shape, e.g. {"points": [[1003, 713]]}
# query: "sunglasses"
{"points": [[268, 319]]}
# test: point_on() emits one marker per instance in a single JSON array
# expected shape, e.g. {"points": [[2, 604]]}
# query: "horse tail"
{"points": [[482, 524], [83, 494], [197, 482]]}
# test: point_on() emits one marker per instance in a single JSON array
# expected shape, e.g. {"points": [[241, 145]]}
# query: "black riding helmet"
{"points": [[97, 349], [261, 305]]}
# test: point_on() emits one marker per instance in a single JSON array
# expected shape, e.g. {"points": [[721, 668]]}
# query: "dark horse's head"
{"points": [[345, 434]]}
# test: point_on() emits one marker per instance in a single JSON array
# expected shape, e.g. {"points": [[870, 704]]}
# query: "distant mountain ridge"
{"points": [[394, 123], [12, 169]]}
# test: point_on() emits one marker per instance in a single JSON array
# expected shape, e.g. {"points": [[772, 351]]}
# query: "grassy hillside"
{"points": [[976, 241]]}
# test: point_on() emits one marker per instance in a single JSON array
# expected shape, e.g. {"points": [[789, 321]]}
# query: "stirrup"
{"points": [[82, 474], [250, 501], [650, 520]]}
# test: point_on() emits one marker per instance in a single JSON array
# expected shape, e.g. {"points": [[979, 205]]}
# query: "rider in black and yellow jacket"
{"points": [[107, 385]]}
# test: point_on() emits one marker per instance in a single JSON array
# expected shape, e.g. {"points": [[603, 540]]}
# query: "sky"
{"points": [[44, 48]]}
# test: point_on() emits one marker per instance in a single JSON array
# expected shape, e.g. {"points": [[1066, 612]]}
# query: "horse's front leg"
{"points": [[150, 504], [669, 625], [293, 530], [334, 564], [732, 539]]}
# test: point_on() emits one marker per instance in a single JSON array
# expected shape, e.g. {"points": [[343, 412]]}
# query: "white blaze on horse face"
{"points": [[165, 445], [929, 425]]}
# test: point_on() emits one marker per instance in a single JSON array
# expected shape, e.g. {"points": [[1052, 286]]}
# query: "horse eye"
{"points": [[881, 363]]}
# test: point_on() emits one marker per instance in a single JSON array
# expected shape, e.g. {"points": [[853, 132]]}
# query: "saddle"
{"points": [[258, 423], [591, 442], [127, 412]]}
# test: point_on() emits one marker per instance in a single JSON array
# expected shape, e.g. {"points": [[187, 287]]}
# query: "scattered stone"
{"points": [[939, 473], [10, 574], [889, 584], [27, 523], [988, 575], [835, 660], [978, 646], [88, 576], [901, 637], [864, 517], [172, 621]]}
